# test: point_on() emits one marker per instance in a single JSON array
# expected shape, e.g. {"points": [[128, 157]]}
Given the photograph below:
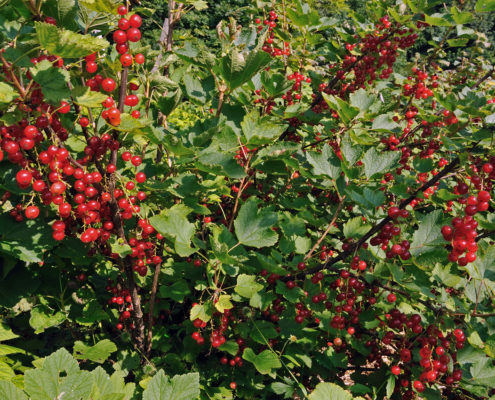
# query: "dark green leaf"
{"points": [[485, 6], [253, 226], [325, 163], [376, 162], [258, 130], [173, 223], [264, 362], [53, 81]]}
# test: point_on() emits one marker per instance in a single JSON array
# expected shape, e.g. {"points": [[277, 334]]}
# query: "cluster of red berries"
{"points": [[435, 349], [390, 231], [348, 288], [462, 231], [128, 32], [268, 46], [217, 337], [419, 88], [122, 299], [367, 56], [236, 360], [144, 251], [294, 94]]}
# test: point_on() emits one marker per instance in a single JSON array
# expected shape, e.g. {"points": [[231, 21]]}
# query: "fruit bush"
{"points": [[305, 212]]}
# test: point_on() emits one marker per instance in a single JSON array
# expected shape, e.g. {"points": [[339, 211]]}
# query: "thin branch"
{"points": [[154, 288], [483, 78], [317, 244], [14, 79]]}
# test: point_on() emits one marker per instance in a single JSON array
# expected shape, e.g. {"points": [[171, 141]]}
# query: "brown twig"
{"points": [[317, 244], [483, 78], [15, 81], [154, 289]]}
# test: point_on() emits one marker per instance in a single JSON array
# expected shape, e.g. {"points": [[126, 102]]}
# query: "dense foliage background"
{"points": [[275, 200]]}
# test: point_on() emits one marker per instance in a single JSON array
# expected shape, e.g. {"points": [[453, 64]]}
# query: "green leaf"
{"points": [[483, 372], [131, 124], [199, 5], [260, 130], [439, 19], [47, 383], [53, 81], [64, 11], [231, 66], [355, 228], [97, 353], [42, 318], [390, 385], [173, 223], [485, 6], [303, 16], [177, 291], [223, 303], [459, 42], [194, 89], [230, 346], [274, 84], [346, 112], [9, 391], [376, 162], [282, 389], [6, 333], [327, 391], [220, 163], [247, 286], [85, 97], [293, 295], [110, 388], [6, 373], [91, 313], [361, 100], [253, 226], [423, 164], [167, 102], [180, 387], [443, 275], [324, 163], [103, 6], [119, 247], [6, 350], [263, 331], [255, 62], [264, 362], [65, 43], [202, 312], [384, 122], [351, 152], [237, 69], [490, 346], [428, 235], [474, 340], [7, 93]]}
